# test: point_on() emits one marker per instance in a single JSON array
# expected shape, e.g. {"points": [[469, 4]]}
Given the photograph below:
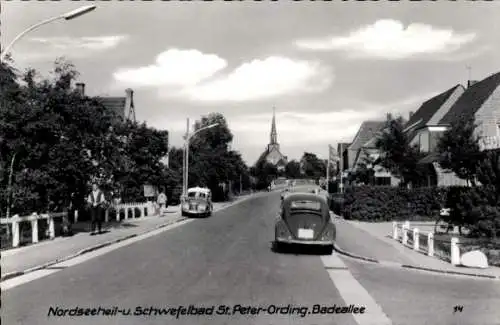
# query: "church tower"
{"points": [[273, 143]]}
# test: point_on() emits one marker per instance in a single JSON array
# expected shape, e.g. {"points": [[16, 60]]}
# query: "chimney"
{"points": [[471, 83], [80, 88], [410, 115]]}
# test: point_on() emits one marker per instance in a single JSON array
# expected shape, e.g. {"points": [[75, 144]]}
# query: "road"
{"points": [[227, 260]]}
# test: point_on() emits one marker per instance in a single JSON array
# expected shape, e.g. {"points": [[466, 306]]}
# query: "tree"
{"points": [[211, 161], [312, 166], [47, 127], [365, 173], [397, 154], [459, 149], [488, 173], [292, 169]]}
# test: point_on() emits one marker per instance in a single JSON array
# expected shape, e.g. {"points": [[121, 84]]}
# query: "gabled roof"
{"points": [[427, 110], [367, 131], [115, 104], [472, 99]]}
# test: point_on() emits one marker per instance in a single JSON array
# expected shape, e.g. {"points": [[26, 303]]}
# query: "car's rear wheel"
{"points": [[328, 249], [277, 246], [183, 213]]}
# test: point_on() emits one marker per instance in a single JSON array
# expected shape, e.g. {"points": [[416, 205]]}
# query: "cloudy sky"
{"points": [[325, 66]]}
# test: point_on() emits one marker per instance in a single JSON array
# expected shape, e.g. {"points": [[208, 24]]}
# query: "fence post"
{"points": [[455, 251], [416, 240], [75, 217], [126, 211], [52, 230], [106, 215], [118, 213], [15, 231], [430, 244], [34, 228], [405, 233], [394, 230]]}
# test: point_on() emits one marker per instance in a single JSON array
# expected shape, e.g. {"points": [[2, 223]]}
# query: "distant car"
{"points": [[304, 219], [198, 202]]}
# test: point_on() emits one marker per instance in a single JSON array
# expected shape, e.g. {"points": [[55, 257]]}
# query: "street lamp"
{"points": [[67, 16], [187, 138]]}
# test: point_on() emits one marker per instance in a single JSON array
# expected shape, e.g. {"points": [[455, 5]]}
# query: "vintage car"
{"points": [[304, 219], [198, 202]]}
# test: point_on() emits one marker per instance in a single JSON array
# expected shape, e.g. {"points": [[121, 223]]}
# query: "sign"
{"points": [[150, 191]]}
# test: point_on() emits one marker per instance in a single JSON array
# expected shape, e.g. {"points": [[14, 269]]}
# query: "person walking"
{"points": [[96, 200], [162, 202]]}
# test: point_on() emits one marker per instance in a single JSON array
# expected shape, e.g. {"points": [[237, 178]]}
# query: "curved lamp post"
{"points": [[187, 138], [67, 16]]}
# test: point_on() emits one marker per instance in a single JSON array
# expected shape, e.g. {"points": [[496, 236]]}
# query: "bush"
{"points": [[382, 203]]}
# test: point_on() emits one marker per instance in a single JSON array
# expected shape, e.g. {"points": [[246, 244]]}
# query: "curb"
{"points": [[86, 250], [413, 267], [15, 274]]}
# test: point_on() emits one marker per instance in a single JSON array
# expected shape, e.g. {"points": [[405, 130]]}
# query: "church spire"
{"points": [[274, 134]]}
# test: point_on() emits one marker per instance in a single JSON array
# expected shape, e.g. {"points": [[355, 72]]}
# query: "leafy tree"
{"points": [[459, 149], [488, 173], [398, 155], [292, 169], [365, 173], [264, 173], [312, 166], [211, 160]]}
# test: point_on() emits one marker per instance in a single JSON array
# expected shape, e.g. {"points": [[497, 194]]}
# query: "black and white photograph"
{"points": [[250, 162]]}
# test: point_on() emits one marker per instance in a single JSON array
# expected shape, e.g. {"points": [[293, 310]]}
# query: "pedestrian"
{"points": [[162, 201], [96, 200]]}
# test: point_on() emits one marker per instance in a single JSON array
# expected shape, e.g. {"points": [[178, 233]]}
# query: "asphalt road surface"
{"points": [[225, 261]]}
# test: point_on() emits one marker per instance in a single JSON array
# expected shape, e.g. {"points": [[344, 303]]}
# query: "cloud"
{"points": [[389, 39], [265, 78], [75, 47], [196, 76], [173, 67], [95, 43]]}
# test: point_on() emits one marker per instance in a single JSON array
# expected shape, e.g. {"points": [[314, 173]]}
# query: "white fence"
{"points": [[131, 210], [16, 220], [401, 232]]}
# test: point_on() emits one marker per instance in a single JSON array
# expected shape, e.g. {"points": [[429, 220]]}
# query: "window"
{"points": [[308, 205]]}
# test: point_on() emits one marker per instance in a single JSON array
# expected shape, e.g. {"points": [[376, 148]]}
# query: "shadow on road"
{"points": [[296, 249]]}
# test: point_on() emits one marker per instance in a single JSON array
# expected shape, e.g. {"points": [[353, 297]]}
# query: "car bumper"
{"points": [[305, 242], [191, 212]]}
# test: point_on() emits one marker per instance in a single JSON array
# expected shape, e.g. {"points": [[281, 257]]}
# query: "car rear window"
{"points": [[304, 204], [192, 194]]}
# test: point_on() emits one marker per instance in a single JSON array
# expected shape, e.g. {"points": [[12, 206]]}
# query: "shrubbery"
{"points": [[388, 203], [476, 208]]}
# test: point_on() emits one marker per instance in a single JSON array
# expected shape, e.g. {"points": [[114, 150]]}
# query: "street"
{"points": [[227, 260]]}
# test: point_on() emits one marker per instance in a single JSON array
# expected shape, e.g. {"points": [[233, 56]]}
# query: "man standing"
{"points": [[162, 201], [96, 201]]}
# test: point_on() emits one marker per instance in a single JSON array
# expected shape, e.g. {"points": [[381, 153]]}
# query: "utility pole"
{"points": [[241, 183]]}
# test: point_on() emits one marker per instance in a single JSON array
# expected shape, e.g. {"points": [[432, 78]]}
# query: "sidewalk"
{"points": [[373, 242], [25, 259]]}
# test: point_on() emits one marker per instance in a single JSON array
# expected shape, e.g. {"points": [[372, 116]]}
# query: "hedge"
{"points": [[477, 208]]}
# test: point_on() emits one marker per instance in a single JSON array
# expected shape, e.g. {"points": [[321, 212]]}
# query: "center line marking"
{"points": [[353, 293]]}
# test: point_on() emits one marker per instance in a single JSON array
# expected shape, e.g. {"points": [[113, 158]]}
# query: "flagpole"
{"points": [[328, 169], [341, 158]]}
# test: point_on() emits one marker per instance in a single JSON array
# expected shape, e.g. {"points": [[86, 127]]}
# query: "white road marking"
{"points": [[353, 292], [31, 276]]}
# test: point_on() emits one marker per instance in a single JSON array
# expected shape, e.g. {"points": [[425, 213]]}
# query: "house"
{"points": [[366, 132], [423, 127], [369, 153], [481, 100], [123, 106]]}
